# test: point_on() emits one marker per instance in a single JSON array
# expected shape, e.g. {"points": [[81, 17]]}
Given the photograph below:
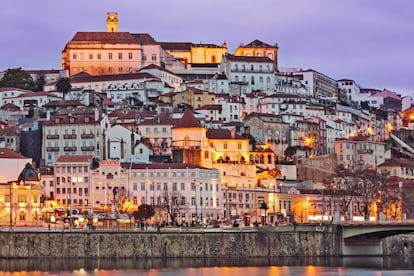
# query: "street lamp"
{"points": [[11, 205]]}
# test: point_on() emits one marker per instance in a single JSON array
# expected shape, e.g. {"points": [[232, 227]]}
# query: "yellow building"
{"points": [[194, 97], [258, 48], [190, 53], [21, 201], [224, 150]]}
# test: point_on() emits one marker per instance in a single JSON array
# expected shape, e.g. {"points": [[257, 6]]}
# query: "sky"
{"points": [[368, 41]]}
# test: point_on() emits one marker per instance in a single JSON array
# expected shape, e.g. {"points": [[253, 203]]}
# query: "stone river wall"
{"points": [[173, 243]]}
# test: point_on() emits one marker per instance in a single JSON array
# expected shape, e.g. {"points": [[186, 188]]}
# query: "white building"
{"points": [[248, 73], [124, 145], [192, 190], [73, 132], [71, 187]]}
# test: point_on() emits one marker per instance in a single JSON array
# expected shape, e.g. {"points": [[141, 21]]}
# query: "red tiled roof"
{"points": [[161, 166], [63, 103], [10, 107], [259, 44], [210, 107], [74, 158], [188, 120], [119, 37], [144, 39], [176, 46], [221, 134], [117, 77], [6, 153], [249, 58]]}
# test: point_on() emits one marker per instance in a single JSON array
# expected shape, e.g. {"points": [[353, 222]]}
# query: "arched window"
{"points": [[252, 80], [260, 79], [261, 159], [213, 59], [236, 78], [251, 158], [268, 80]]}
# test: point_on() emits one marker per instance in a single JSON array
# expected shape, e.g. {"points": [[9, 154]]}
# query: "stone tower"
{"points": [[112, 22]]}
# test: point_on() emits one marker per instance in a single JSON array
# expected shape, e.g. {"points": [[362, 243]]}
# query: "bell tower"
{"points": [[112, 22]]}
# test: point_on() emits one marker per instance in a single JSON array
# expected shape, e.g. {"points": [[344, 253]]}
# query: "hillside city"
{"points": [[181, 133]]}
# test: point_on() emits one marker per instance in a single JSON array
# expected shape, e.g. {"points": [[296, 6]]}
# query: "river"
{"points": [[210, 267]]}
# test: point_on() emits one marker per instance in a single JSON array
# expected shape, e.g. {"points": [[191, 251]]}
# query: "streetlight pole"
{"points": [[70, 206], [11, 206], [196, 199]]}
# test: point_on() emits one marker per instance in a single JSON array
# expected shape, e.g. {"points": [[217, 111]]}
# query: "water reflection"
{"points": [[88, 264]]}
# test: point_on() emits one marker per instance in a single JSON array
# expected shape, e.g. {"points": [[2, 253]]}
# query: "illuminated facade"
{"points": [[193, 190], [21, 201], [359, 153], [189, 53], [258, 48], [229, 153]]}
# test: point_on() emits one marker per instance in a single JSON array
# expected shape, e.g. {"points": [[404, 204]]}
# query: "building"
{"points": [[21, 199], [359, 153], [77, 131], [71, 188], [259, 48], [111, 52], [179, 193], [248, 73]]}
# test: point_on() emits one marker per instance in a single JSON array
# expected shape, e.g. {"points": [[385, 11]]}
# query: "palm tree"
{"points": [[63, 85]]}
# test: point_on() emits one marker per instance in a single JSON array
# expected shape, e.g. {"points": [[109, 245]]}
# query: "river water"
{"points": [[375, 266]]}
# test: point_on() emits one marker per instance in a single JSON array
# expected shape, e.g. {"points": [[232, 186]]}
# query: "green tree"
{"points": [[18, 78], [39, 83], [63, 85], [144, 212]]}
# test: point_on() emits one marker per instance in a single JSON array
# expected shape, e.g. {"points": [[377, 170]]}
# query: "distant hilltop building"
{"points": [[113, 52]]}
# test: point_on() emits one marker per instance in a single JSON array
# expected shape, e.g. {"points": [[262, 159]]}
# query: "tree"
{"points": [[38, 86], [17, 78], [367, 184], [63, 85], [144, 212], [174, 203]]}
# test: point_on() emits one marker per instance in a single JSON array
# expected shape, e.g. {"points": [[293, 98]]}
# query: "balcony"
{"points": [[69, 148], [90, 148], [69, 136], [365, 151], [87, 136], [52, 149], [52, 136]]}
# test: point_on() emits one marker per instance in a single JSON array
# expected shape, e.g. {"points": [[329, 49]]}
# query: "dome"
{"points": [[28, 174]]}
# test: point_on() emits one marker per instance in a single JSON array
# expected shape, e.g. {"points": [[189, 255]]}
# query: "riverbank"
{"points": [[245, 242]]}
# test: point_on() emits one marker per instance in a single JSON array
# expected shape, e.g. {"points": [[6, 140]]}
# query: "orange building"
{"points": [[258, 48]]}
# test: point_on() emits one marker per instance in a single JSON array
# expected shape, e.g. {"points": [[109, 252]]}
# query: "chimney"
{"points": [[233, 133]]}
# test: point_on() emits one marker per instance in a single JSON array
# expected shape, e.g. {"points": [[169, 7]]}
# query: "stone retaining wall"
{"points": [[218, 244]]}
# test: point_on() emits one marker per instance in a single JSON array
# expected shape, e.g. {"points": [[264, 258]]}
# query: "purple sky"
{"points": [[369, 41]]}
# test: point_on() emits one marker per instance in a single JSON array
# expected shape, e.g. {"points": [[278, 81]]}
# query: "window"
{"points": [[74, 56], [109, 55], [98, 56], [90, 55], [225, 146], [154, 57], [119, 55], [129, 55]]}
